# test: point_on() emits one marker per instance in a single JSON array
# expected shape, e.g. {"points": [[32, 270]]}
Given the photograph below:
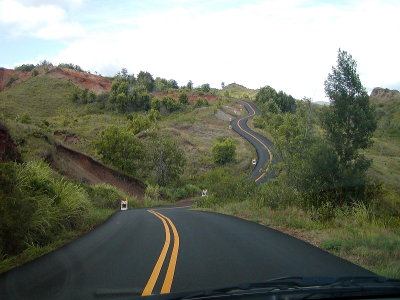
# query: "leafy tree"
{"points": [[222, 85], [224, 151], [121, 149], [189, 85], [349, 121], [145, 80], [205, 88], [286, 103], [166, 159], [172, 84], [183, 99]]}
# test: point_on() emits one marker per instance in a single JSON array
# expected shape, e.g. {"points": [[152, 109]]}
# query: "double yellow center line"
{"points": [[265, 146], [166, 287]]}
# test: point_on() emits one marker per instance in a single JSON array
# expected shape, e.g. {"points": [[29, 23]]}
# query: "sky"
{"points": [[290, 45]]}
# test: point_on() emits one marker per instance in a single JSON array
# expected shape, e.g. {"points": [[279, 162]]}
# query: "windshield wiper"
{"points": [[301, 288]]}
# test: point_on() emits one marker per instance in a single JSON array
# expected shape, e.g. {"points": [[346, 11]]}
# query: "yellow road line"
{"points": [[169, 276], [157, 268], [265, 146]]}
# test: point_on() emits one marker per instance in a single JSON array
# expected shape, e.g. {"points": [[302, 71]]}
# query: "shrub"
{"points": [[25, 67], [105, 196], [11, 80], [224, 151], [35, 206], [25, 118], [34, 73]]}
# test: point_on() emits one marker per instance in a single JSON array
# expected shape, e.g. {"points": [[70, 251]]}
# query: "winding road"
{"points": [[263, 146], [166, 250]]}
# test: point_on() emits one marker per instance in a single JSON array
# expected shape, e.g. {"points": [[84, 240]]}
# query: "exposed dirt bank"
{"points": [[79, 166]]}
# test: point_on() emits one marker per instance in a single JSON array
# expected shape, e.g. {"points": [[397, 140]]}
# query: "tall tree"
{"points": [[350, 119], [349, 123]]}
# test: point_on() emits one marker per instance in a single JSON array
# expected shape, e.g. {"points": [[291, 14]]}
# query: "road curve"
{"points": [[162, 250], [262, 170]]}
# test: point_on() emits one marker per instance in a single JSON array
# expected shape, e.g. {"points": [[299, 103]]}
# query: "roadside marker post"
{"points": [[124, 204], [204, 193]]}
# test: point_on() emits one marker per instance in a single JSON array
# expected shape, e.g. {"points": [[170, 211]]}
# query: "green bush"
{"points": [[224, 151], [25, 118], [105, 196], [177, 193]]}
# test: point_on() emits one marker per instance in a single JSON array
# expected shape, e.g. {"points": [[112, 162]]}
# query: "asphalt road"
{"points": [[262, 169], [166, 250]]}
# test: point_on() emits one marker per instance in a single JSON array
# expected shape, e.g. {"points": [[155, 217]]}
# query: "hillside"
{"points": [[385, 151], [238, 91], [98, 84]]}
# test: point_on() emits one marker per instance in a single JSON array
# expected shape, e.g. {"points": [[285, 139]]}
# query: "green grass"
{"points": [[238, 91]]}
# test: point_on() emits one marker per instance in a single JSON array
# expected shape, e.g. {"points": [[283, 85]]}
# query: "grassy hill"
{"points": [[235, 90]]}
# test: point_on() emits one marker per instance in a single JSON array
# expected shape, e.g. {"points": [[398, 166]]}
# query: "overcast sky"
{"points": [[290, 45]]}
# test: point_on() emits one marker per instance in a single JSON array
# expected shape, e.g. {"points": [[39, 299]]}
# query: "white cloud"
{"points": [[286, 44], [46, 21]]}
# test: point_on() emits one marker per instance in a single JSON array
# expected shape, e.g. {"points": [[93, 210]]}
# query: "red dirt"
{"points": [[192, 98], [8, 148], [97, 84], [76, 165]]}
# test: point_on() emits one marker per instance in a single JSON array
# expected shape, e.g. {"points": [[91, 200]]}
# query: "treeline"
{"points": [[47, 64], [130, 93]]}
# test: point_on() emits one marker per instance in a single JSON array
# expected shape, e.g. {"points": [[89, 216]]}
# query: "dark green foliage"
{"points": [[34, 73], [286, 103], [189, 85], [183, 99], [121, 149], [224, 151], [350, 120], [166, 159], [165, 105], [25, 68], [145, 80], [205, 88], [71, 66]]}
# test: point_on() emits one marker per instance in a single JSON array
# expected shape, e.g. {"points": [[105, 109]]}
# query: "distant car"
{"points": [[254, 161]]}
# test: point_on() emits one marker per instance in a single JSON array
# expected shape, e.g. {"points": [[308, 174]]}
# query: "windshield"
{"points": [[199, 149]]}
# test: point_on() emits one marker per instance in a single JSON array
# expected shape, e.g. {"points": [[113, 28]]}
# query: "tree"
{"points": [[222, 85], [189, 85], [349, 123], [166, 159], [183, 99], [205, 88], [145, 80], [350, 119], [224, 151], [120, 148]]}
